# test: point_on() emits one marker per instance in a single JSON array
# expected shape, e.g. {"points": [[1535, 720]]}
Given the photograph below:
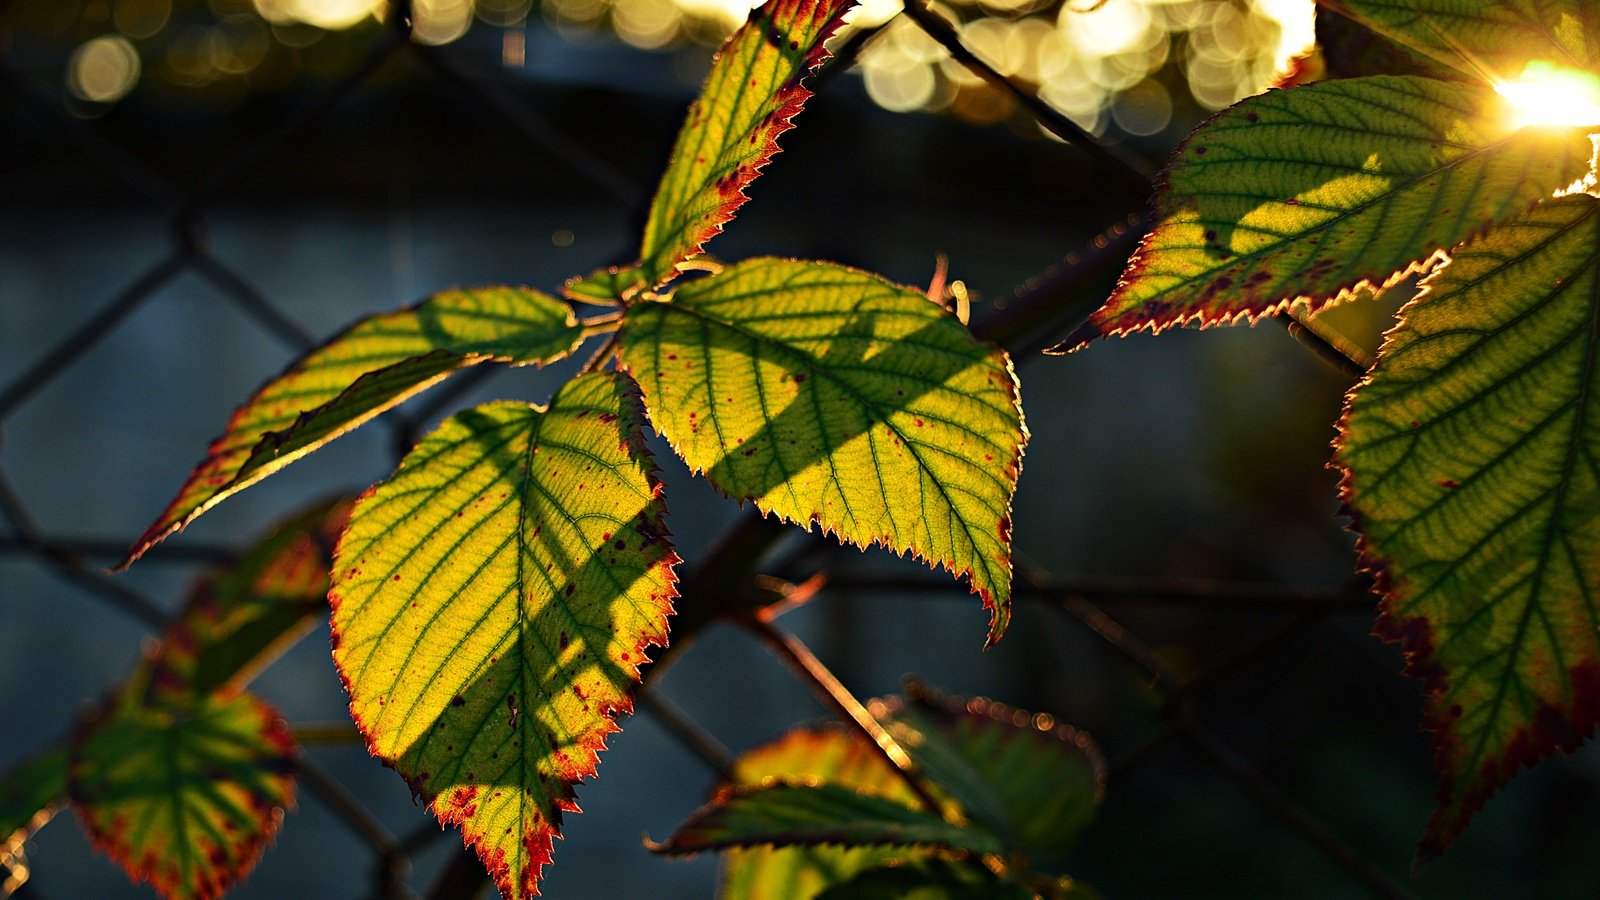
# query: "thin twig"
{"points": [[1136, 172], [1328, 343], [180, 553], [702, 744], [347, 807], [811, 670], [73, 566], [1214, 595], [1270, 798]]}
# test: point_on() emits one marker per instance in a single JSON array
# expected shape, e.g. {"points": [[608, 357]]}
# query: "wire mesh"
{"points": [[78, 559]]}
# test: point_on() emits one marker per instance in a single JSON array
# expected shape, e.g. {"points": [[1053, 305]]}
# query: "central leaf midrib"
{"points": [[823, 371]]}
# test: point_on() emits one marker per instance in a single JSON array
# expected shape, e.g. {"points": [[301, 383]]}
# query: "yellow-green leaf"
{"points": [[834, 756], [186, 800], [237, 620], [493, 601], [372, 367], [1487, 39], [1313, 193], [788, 813], [831, 397], [1472, 464], [753, 92]]}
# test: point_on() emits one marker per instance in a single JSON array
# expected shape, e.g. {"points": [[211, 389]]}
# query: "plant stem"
{"points": [[811, 670]]}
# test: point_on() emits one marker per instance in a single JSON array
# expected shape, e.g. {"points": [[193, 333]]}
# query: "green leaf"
{"points": [[239, 619], [609, 285], [1025, 777], [1315, 193], [751, 96], [184, 800], [1487, 40], [1350, 50], [829, 396], [927, 879], [831, 755], [782, 814], [1470, 457], [375, 365], [493, 601], [30, 793]]}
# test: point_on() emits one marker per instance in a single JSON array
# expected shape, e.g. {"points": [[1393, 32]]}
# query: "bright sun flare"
{"points": [[1548, 94]]}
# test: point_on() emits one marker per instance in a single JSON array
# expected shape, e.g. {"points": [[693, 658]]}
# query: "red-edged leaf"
{"points": [[493, 601], [1470, 457], [811, 813], [749, 99], [183, 799], [370, 368], [1322, 191], [833, 398]]}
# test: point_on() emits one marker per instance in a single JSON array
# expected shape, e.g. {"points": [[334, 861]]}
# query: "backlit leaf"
{"points": [[785, 813], [493, 601], [834, 756], [829, 396], [185, 800], [753, 92], [1470, 457], [370, 368], [1025, 777], [1319, 191], [239, 619], [1487, 39]]}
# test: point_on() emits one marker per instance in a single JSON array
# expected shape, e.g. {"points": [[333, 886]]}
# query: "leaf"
{"points": [[751, 96], [927, 879], [1025, 777], [609, 285], [829, 396], [186, 801], [1349, 49], [1315, 193], [1469, 458], [492, 604], [831, 755], [1487, 40], [30, 793], [239, 619], [373, 366], [782, 814]]}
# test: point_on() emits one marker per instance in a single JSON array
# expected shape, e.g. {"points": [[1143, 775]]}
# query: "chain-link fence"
{"points": [[1264, 621]]}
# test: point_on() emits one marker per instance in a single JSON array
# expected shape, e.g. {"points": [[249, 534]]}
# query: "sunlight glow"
{"points": [[1548, 94]]}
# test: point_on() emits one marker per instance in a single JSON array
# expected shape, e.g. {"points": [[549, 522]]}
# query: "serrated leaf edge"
{"points": [[540, 844]]}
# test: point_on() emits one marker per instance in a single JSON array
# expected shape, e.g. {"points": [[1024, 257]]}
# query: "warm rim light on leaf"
{"points": [[1319, 192], [750, 98], [493, 601], [1469, 457], [833, 398], [371, 367], [186, 799]]}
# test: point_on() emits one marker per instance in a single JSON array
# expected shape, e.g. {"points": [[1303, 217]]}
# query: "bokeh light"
{"points": [[1144, 68], [103, 70]]}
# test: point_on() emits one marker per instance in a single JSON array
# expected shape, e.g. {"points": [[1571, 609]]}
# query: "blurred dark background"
{"points": [[214, 182]]}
